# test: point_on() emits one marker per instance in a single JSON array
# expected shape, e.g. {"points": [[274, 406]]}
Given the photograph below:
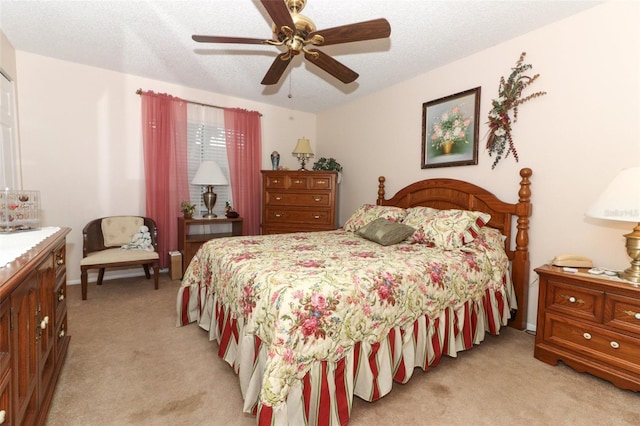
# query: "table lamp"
{"points": [[303, 152], [209, 174], [621, 201]]}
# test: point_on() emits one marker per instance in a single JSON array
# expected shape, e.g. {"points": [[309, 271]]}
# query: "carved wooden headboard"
{"points": [[456, 194]]}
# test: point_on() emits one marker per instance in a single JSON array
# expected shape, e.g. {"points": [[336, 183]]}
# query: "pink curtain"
{"points": [[164, 134], [244, 152]]}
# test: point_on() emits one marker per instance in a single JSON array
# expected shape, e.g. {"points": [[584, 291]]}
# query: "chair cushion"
{"points": [[118, 230], [117, 255]]}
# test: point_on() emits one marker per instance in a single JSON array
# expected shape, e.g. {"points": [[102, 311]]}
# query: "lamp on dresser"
{"points": [[303, 152], [209, 174], [621, 201]]}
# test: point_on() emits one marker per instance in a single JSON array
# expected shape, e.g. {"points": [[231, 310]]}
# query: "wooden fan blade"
{"points": [[330, 65], [276, 70], [217, 39], [366, 30], [279, 12]]}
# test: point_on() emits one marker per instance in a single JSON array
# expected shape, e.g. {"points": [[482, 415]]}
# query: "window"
{"points": [[206, 141]]}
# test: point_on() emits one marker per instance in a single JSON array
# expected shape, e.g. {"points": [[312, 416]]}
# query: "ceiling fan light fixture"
{"points": [[295, 32]]}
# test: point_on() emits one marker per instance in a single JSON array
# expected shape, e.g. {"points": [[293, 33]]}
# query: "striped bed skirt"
{"points": [[325, 395]]}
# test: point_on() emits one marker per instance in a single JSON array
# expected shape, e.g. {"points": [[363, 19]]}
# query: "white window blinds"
{"points": [[206, 141]]}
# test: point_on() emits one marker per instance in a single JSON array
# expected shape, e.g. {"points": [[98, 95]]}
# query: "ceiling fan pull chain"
{"points": [[290, 78]]}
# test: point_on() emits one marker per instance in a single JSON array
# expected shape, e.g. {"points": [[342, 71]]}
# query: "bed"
{"points": [[308, 320]]}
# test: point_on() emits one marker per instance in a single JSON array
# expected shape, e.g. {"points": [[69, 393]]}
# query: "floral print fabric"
{"points": [[446, 229], [313, 296], [367, 213]]}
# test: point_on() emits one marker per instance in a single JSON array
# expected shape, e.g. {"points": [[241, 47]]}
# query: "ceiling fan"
{"points": [[297, 33]]}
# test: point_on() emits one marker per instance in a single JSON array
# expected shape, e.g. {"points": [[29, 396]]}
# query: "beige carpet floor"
{"points": [[128, 364]]}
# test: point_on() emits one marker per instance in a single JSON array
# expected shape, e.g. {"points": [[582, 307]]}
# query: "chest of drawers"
{"points": [[299, 201], [591, 324]]}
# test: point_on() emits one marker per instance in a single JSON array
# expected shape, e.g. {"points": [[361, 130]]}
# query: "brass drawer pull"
{"points": [[277, 198], [298, 181], [322, 182], [278, 214], [59, 259], [587, 336], [615, 345], [572, 299], [317, 199], [3, 416], [316, 216], [60, 295], [636, 315], [61, 334], [275, 181]]}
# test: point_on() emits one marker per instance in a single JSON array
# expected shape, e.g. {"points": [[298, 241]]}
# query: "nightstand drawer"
{"points": [[616, 349], [578, 302], [282, 198], [622, 313]]}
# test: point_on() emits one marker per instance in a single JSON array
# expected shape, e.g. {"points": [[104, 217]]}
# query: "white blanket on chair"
{"points": [[141, 240]]}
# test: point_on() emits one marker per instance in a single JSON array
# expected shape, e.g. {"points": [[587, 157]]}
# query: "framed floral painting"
{"points": [[450, 128]]}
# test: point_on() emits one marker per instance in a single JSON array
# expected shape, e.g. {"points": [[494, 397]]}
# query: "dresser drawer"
{"points": [[316, 182], [578, 302], [312, 199], [615, 349], [275, 181], [622, 313], [277, 215]]}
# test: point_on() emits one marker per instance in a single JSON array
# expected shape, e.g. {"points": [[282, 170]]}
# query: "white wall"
{"points": [[82, 141], [575, 139]]}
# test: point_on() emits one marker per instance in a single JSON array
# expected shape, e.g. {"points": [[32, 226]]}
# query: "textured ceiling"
{"points": [[152, 39]]}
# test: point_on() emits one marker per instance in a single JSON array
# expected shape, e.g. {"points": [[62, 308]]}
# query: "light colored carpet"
{"points": [[128, 364]]}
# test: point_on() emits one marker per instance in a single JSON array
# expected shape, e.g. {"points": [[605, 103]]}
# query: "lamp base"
{"points": [[633, 250], [209, 198]]}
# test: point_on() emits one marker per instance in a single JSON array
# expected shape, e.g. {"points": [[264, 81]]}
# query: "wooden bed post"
{"points": [[381, 180], [520, 265]]}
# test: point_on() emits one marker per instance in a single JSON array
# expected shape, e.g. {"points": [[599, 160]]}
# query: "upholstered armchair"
{"points": [[119, 241]]}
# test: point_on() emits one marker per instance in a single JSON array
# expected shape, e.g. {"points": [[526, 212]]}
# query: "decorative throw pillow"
{"points": [[118, 230], [370, 212], [417, 216], [448, 229], [385, 232]]}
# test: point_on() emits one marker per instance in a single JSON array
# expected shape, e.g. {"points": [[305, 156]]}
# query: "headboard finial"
{"points": [[381, 180]]}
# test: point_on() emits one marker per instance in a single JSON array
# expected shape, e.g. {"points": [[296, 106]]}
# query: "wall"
{"points": [[7, 57], [576, 138], [82, 144]]}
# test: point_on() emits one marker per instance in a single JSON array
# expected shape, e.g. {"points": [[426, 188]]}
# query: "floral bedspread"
{"points": [[312, 296]]}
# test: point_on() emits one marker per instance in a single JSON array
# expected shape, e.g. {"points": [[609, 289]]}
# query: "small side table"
{"points": [[189, 243], [590, 323]]}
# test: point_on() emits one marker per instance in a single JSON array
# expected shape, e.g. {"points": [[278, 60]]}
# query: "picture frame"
{"points": [[450, 127]]}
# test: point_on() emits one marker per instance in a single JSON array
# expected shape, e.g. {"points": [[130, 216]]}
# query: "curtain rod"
{"points": [[139, 92]]}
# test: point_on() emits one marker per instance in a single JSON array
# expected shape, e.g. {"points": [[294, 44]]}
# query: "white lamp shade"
{"points": [[209, 173], [621, 199], [303, 147]]}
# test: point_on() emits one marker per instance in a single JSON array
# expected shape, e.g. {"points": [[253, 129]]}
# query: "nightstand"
{"points": [[189, 242], [591, 323]]}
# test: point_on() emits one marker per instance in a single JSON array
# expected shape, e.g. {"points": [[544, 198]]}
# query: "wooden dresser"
{"points": [[590, 323], [33, 330], [299, 201]]}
